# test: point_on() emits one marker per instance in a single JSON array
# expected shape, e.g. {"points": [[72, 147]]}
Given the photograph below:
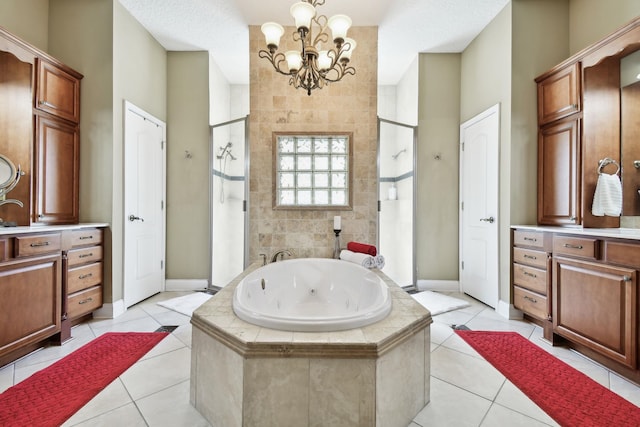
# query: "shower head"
{"points": [[226, 150]]}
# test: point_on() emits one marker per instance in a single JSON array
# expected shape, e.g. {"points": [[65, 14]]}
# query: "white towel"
{"points": [[364, 260], [607, 199], [379, 259]]}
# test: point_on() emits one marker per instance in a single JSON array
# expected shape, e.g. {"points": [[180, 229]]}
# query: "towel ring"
{"points": [[607, 161]]}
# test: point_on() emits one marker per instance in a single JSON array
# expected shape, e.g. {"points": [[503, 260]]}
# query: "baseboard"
{"points": [[508, 311], [439, 285], [110, 310], [174, 285]]}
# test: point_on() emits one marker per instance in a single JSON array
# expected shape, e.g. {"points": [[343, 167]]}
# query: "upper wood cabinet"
{"points": [[58, 92], [559, 95], [57, 173], [559, 201], [39, 131]]}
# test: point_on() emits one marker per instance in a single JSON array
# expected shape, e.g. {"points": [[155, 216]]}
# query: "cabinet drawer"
{"points": [[530, 278], [83, 277], [530, 257], [3, 249], [84, 302], [582, 247], [627, 254], [90, 236], [528, 238], [84, 255], [531, 303], [35, 245]]}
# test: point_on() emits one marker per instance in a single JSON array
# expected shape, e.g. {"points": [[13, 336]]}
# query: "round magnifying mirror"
{"points": [[7, 172]]}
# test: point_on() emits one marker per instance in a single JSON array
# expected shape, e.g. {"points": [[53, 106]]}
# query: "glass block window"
{"points": [[312, 170]]}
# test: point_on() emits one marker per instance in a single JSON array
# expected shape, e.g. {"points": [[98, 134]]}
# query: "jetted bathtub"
{"points": [[312, 295]]}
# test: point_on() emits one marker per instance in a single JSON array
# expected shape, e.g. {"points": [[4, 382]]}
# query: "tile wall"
{"points": [[346, 106]]}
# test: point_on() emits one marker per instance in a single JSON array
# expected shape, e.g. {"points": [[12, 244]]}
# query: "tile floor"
{"points": [[465, 389]]}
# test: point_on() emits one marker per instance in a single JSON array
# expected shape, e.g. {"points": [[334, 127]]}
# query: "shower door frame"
{"points": [[245, 204], [414, 272]]}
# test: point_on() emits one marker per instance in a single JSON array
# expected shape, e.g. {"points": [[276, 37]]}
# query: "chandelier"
{"points": [[311, 67]]}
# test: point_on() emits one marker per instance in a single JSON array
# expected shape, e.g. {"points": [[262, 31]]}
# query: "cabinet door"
{"points": [[30, 301], [596, 305], [58, 92], [559, 94], [56, 165], [559, 174]]}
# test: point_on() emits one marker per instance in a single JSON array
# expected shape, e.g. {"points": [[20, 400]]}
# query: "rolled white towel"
{"points": [[364, 260], [379, 259]]}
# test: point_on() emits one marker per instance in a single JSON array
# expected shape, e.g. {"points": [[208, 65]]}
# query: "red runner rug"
{"points": [[567, 395], [50, 396]]}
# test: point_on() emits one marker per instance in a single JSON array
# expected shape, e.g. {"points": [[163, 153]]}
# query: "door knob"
{"points": [[489, 220], [134, 218]]}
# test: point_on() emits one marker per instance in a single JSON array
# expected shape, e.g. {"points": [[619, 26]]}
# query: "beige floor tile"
{"points": [[171, 407], [468, 372], [111, 398], [158, 373], [452, 406], [499, 416], [511, 397], [127, 415]]}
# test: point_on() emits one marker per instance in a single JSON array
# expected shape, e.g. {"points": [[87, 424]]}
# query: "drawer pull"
{"points": [[530, 257], [84, 301], [533, 300], [85, 276], [39, 244], [530, 239], [85, 255], [526, 273], [567, 245], [86, 237]]}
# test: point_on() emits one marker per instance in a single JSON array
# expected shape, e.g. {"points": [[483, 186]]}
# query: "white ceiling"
{"points": [[406, 27]]}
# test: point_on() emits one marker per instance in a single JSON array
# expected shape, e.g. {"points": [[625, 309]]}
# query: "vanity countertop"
{"points": [[48, 228], [618, 233]]}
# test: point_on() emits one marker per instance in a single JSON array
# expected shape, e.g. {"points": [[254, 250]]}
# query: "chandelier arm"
{"points": [[275, 60]]}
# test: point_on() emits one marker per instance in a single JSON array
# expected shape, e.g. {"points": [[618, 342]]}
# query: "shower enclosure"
{"points": [[229, 161], [396, 200]]}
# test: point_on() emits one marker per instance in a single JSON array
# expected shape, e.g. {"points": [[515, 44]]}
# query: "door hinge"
{"points": [[162, 145], [244, 206], [161, 264], [462, 146], [379, 206], [461, 206], [462, 265], [161, 204]]}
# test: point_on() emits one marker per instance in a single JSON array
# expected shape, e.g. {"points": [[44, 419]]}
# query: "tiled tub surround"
{"points": [[246, 375]]}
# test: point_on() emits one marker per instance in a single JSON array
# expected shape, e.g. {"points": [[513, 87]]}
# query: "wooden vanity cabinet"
{"points": [[30, 293], [531, 276]]}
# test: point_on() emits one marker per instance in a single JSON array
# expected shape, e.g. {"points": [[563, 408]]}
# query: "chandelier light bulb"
{"points": [[272, 32], [339, 25], [303, 13], [324, 61], [294, 60]]}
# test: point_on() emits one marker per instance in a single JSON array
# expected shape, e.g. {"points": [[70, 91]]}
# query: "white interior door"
{"points": [[144, 194], [479, 162]]}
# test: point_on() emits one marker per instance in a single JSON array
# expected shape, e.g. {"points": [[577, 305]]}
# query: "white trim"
{"points": [[110, 310], [173, 285], [439, 285], [508, 311]]}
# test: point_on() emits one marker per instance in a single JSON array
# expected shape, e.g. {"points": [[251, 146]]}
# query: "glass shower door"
{"points": [[229, 195], [396, 196]]}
